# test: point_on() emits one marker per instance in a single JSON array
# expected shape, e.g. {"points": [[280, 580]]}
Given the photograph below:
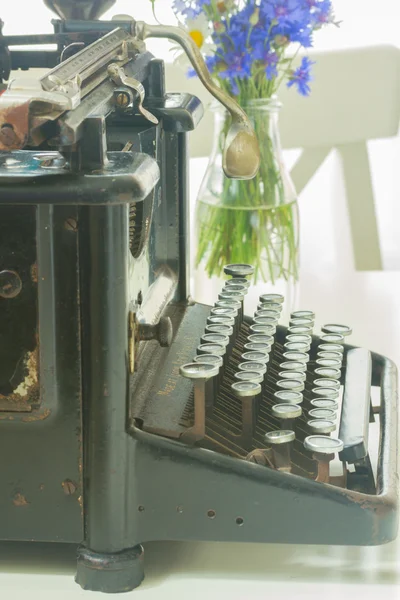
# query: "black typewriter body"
{"points": [[104, 443]]}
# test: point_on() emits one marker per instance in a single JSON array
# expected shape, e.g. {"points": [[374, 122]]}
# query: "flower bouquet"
{"points": [[250, 47]]}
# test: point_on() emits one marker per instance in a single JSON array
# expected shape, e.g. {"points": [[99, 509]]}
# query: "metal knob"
{"points": [[162, 332], [10, 284]]}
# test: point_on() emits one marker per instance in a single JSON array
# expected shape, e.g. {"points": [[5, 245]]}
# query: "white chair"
{"points": [[355, 98]]}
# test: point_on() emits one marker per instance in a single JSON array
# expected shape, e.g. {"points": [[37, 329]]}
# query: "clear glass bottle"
{"points": [[254, 221]]}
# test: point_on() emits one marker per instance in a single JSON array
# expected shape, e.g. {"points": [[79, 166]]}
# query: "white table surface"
{"points": [[329, 285]]}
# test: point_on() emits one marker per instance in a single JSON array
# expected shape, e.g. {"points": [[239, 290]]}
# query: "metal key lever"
{"points": [[241, 157], [118, 76]]}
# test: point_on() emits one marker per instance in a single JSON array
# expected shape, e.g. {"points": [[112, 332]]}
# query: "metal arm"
{"points": [[241, 158]]}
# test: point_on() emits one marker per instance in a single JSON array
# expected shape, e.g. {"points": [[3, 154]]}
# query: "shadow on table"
{"points": [[269, 562]]}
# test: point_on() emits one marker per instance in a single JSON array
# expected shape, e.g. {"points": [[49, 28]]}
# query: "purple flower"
{"points": [[301, 77], [284, 12]]}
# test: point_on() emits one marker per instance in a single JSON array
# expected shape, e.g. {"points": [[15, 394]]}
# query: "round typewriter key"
{"points": [[335, 328], [265, 320], [211, 359], [254, 376], [332, 363], [327, 372], [218, 349], [265, 329], [327, 383], [300, 314], [273, 314], [298, 356], [286, 411], [197, 370], [321, 425], [256, 356], [215, 338], [223, 310], [330, 355], [296, 337], [296, 346], [327, 392], [278, 298], [290, 384], [258, 346], [251, 365], [229, 303], [226, 295], [224, 329], [280, 436], [292, 375], [293, 365], [302, 321], [299, 330], [220, 320], [332, 338], [237, 281], [322, 413], [288, 396], [245, 389], [322, 445], [324, 403], [236, 287], [270, 306], [239, 270], [330, 348], [261, 338]]}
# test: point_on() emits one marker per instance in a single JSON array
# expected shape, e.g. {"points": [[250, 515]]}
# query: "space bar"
{"points": [[354, 420]]}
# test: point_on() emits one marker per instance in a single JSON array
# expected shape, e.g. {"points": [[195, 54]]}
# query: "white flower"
{"points": [[200, 32]]}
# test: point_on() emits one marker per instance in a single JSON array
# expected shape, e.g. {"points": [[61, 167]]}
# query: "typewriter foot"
{"points": [[110, 573]]}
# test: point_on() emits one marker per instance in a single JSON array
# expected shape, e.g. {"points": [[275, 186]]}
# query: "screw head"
{"points": [[8, 136], [122, 99], [10, 284], [69, 487]]}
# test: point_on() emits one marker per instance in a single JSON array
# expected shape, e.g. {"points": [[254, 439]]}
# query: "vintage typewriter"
{"points": [[129, 413]]}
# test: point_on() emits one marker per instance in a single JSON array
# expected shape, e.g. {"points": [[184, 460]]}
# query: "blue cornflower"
{"points": [[301, 77], [284, 12]]}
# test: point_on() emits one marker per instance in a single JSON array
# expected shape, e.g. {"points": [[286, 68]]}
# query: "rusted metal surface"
{"points": [[20, 500], [14, 113], [27, 392]]}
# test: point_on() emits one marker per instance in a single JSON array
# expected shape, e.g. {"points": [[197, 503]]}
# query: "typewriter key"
{"points": [[197, 370], [322, 413], [265, 329], [327, 392], [330, 348], [227, 295], [300, 314], [327, 383], [258, 346], [334, 328], [229, 303], [332, 363], [224, 310], [297, 346], [266, 298], [274, 314], [215, 338], [251, 365], [292, 375], [302, 321], [244, 389], [280, 441], [288, 396], [256, 356], [323, 449], [330, 355], [253, 376], [324, 403], [211, 359], [270, 306], [220, 320], [291, 384], [296, 337], [321, 426], [224, 329], [293, 365], [300, 330], [239, 270], [332, 338], [232, 286], [286, 413], [218, 349], [261, 338], [265, 320], [238, 281], [298, 356], [327, 372]]}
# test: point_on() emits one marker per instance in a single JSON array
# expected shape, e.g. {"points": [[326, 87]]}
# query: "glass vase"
{"points": [[254, 221]]}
